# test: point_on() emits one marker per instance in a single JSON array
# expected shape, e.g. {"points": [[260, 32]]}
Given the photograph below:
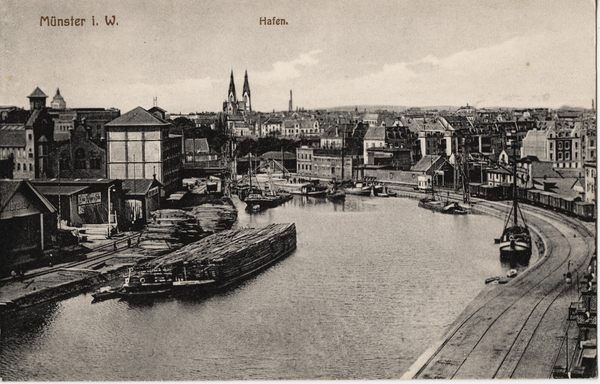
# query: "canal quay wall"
{"points": [[517, 330]]}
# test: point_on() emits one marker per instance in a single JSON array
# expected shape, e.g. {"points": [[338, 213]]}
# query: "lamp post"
{"points": [[110, 189]]}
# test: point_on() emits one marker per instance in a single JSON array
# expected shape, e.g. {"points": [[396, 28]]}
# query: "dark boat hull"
{"points": [[205, 287]]}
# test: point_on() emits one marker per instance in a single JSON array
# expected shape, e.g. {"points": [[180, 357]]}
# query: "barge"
{"points": [[213, 263]]}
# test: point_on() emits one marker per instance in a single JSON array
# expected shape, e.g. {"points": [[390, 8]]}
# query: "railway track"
{"points": [[493, 338], [98, 254]]}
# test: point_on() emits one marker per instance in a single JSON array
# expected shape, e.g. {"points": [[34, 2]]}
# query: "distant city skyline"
{"points": [[529, 53]]}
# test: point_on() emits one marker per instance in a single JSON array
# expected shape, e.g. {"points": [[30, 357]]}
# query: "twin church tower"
{"points": [[233, 106]]}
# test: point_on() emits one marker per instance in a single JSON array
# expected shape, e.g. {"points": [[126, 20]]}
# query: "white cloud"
{"points": [[542, 70], [287, 70]]}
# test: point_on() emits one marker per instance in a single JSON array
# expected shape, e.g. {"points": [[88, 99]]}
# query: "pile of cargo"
{"points": [[170, 229], [229, 255], [216, 216]]}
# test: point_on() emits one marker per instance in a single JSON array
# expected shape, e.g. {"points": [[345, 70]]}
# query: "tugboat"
{"points": [[515, 242], [147, 282]]}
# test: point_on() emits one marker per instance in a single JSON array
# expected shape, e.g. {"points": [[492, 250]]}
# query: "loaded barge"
{"points": [[212, 263]]}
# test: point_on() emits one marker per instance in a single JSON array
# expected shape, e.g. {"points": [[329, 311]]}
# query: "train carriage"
{"points": [[555, 202], [533, 196], [474, 189], [507, 191], [491, 192], [585, 211], [544, 198], [522, 194], [567, 204]]}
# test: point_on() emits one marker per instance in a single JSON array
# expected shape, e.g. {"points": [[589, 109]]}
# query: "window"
{"points": [[30, 136], [567, 156], [95, 163], [18, 166], [559, 145], [79, 158], [30, 153], [30, 167], [65, 160], [551, 157], [559, 156], [575, 145], [567, 144], [551, 146]]}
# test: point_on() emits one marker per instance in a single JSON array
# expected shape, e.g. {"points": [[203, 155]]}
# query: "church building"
{"points": [[233, 106]]}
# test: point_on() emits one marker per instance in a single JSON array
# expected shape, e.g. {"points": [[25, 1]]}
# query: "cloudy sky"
{"points": [[506, 53]]}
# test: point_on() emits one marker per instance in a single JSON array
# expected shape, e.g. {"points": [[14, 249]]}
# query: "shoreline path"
{"points": [[516, 330]]}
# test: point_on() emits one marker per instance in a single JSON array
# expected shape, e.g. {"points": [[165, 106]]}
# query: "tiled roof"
{"points": [[135, 117], [12, 138], [197, 145], [543, 169], [375, 133]]}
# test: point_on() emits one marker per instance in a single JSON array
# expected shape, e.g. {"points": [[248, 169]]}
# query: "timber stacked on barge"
{"points": [[214, 262]]}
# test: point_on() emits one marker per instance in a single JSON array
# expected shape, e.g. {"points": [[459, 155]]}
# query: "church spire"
{"points": [[231, 94], [246, 93], [246, 85]]}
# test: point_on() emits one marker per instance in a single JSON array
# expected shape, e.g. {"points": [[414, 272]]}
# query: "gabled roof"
{"points": [[33, 118], [9, 187], [37, 92], [136, 187], [375, 133], [63, 190], [543, 169], [561, 186], [425, 163], [276, 155], [136, 117], [197, 145]]}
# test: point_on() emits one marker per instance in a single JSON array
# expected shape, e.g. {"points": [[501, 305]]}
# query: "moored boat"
{"points": [[105, 293], [515, 242], [358, 189], [336, 195], [310, 189], [213, 263], [143, 282]]}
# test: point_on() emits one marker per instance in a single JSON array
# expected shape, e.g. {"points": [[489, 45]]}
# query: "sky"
{"points": [[485, 53]]}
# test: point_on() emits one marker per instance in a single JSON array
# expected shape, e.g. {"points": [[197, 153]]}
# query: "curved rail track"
{"points": [[514, 330]]}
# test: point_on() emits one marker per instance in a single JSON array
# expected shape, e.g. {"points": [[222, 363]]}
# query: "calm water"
{"points": [[373, 283]]}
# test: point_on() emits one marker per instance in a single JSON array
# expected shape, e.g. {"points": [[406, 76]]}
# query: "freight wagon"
{"points": [[567, 205]]}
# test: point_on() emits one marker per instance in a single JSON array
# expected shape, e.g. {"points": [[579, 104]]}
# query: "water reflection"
{"points": [[372, 284]]}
